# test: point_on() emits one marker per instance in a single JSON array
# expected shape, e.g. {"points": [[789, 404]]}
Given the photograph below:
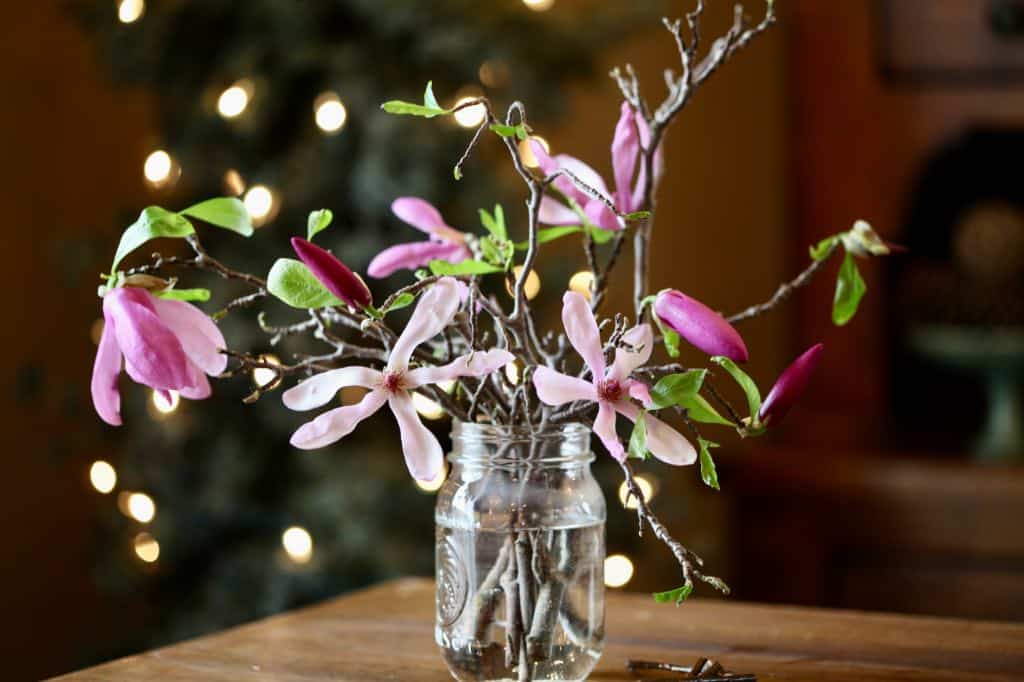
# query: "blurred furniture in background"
{"points": [[884, 532]]}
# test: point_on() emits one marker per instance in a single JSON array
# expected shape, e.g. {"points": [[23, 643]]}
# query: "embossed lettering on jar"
{"points": [[520, 555]]}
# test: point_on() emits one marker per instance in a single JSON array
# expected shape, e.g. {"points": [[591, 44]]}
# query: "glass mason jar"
{"points": [[520, 555]]}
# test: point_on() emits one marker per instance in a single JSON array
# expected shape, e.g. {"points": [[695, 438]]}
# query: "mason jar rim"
{"points": [[474, 431]]}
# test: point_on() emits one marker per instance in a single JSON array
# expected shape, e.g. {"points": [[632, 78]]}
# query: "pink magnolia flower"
{"points": [[333, 274], [610, 387], [630, 132], [789, 386], [701, 326], [166, 345], [446, 243], [393, 386]]}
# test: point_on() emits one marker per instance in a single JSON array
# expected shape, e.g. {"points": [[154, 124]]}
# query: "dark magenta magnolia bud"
{"points": [[333, 274], [790, 384], [701, 326]]}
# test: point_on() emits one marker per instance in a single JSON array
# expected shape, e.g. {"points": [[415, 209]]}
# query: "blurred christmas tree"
{"points": [[277, 100]]}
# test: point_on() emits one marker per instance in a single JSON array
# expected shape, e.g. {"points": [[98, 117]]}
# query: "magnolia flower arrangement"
{"points": [[464, 328]]}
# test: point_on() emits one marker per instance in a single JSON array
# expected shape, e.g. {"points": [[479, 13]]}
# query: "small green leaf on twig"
{"points": [[292, 282], [700, 410], [466, 267], [636, 215], [403, 300], [638, 438], [495, 223], [822, 248], [676, 388], [676, 596], [429, 109], [457, 172], [850, 289], [707, 465], [318, 222], [226, 212], [184, 294], [153, 222], [745, 382], [517, 131], [550, 234]]}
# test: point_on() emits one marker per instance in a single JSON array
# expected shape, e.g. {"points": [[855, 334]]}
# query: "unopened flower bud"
{"points": [[789, 386], [701, 326], [333, 274]]}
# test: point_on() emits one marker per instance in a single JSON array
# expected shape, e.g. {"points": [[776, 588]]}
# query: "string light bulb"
{"points": [[618, 570], [526, 152], [233, 102], [539, 5], [629, 501], [103, 476], [264, 376], [298, 544], [146, 547], [472, 116], [531, 287], [512, 373], [234, 183], [130, 11], [581, 283], [260, 203], [138, 506], [329, 113], [160, 169]]}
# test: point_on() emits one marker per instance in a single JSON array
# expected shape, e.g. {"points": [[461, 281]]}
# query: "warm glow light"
{"points": [[234, 183], [166, 402], [102, 476], [130, 11], [330, 114], [233, 101], [493, 74], [470, 117], [581, 282], [435, 484], [428, 409], [527, 154], [532, 286], [539, 5], [259, 202], [627, 500], [618, 570], [139, 506], [158, 168], [264, 376], [146, 547], [512, 373], [298, 543]]}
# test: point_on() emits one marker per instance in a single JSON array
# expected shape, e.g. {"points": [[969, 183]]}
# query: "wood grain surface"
{"points": [[386, 633]]}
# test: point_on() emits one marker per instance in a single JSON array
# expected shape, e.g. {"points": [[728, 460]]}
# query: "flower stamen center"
{"points": [[609, 389], [393, 381]]}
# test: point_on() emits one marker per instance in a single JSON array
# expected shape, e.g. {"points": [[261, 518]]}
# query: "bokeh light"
{"points": [[130, 11], [329, 112], [646, 487], [298, 544], [470, 117], [618, 570], [103, 476], [146, 547]]}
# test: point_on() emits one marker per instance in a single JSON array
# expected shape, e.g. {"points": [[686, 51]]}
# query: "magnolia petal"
{"points": [[200, 336], [638, 390], [701, 326], [625, 152], [790, 386], [554, 212], [422, 452], [555, 388], [333, 274], [604, 427], [474, 364], [153, 354], [433, 312], [422, 215], [414, 255], [335, 424], [320, 389], [200, 388], [584, 173], [663, 441], [581, 328], [658, 162], [641, 339], [599, 214], [105, 370]]}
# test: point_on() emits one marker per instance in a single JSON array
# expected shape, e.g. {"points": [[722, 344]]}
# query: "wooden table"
{"points": [[386, 633]]}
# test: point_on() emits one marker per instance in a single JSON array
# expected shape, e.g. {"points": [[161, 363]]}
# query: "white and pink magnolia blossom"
{"points": [[630, 133], [445, 243], [611, 387], [394, 386]]}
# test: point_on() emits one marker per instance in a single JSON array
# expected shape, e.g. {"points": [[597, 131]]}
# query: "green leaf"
{"points": [[318, 222], [518, 131], [675, 388], [676, 596], [850, 289], [707, 465], [495, 223], [550, 234], [226, 212], [745, 382], [457, 172], [821, 249], [184, 294], [466, 267], [601, 236], [401, 108], [700, 410], [638, 439], [401, 301], [671, 340], [428, 96], [636, 215], [153, 222], [292, 282]]}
